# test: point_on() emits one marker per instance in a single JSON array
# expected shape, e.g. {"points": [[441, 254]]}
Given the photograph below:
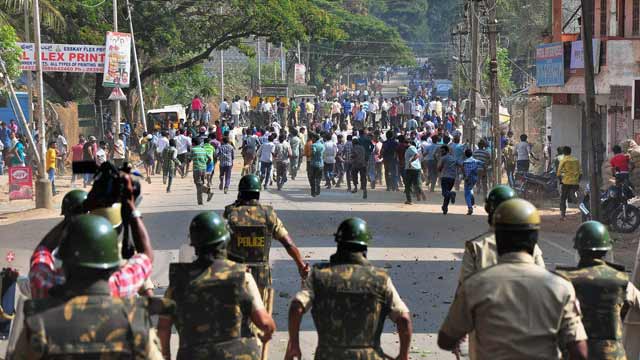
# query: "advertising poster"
{"points": [[117, 65], [300, 73], [20, 183]]}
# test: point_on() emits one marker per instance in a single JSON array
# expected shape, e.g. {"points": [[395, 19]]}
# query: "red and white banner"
{"points": [[64, 58], [20, 183]]}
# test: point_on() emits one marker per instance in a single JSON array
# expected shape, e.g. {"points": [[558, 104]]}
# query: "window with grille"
{"points": [[603, 17], [636, 18]]}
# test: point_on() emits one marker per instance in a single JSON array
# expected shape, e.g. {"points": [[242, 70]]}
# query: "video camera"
{"points": [[109, 187]]}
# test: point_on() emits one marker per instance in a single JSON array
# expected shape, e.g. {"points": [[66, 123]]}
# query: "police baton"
{"points": [[388, 357]]}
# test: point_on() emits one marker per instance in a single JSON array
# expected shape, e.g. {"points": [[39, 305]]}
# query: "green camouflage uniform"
{"points": [[349, 308], [91, 325], [253, 226], [601, 290], [212, 304]]}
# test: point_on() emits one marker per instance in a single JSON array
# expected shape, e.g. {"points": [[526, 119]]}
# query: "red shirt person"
{"points": [[619, 161]]}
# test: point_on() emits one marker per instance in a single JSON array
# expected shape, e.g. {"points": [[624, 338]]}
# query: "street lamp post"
{"points": [[43, 186]]}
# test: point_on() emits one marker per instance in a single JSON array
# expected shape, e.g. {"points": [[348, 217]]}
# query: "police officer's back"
{"points": [[349, 300], [481, 251], [602, 290], [254, 226], [214, 296], [80, 319], [517, 309]]}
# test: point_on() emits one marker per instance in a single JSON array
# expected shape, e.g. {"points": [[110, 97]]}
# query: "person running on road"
{"points": [[282, 156], [448, 169], [226, 154], [200, 160]]}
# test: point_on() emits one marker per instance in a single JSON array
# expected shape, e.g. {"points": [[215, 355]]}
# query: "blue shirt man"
{"points": [[317, 154], [361, 115], [5, 136], [346, 106]]}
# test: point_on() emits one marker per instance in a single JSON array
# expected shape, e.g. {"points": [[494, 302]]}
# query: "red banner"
{"points": [[20, 183]]}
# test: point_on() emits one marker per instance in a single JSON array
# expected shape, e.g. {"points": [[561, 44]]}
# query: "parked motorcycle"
{"points": [[536, 188], [615, 209]]}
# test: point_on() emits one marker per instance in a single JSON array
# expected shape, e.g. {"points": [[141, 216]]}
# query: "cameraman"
{"points": [[124, 282]]}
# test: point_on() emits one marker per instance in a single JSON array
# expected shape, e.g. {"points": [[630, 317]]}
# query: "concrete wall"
{"points": [[567, 128], [68, 117]]}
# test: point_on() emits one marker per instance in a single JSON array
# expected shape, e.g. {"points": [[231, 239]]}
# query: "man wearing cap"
{"points": [[81, 318], [124, 281], [214, 296], [602, 289], [349, 300], [517, 309]]}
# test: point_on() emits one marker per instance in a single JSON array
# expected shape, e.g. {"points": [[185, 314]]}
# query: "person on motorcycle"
{"points": [[569, 171], [619, 164]]}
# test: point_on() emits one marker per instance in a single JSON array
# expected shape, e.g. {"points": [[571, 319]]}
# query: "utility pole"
{"points": [[117, 102], [221, 74], [495, 101], [475, 83], [143, 115], [259, 66], [221, 70], [43, 186], [29, 73], [282, 64], [591, 121]]}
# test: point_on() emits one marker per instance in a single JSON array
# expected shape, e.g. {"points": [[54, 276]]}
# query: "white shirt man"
{"points": [[182, 144], [266, 107], [330, 151], [432, 106], [335, 107], [276, 127], [417, 110], [235, 108], [61, 145], [224, 106], [373, 107], [161, 144], [267, 150], [385, 106]]}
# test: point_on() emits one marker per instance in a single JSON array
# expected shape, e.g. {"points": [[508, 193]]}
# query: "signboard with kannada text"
{"points": [[63, 58], [117, 65], [20, 183], [550, 64]]}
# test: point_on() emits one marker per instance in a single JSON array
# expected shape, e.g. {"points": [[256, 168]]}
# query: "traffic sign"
{"points": [[117, 95]]}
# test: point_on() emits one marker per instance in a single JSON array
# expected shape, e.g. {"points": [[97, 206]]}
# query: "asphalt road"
{"points": [[420, 248]]}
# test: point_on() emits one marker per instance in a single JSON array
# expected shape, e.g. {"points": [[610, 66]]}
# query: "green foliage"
{"points": [[367, 42], [179, 87], [11, 12], [10, 50], [408, 17], [505, 73]]}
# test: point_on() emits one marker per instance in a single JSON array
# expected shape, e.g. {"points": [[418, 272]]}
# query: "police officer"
{"points": [[602, 290], [517, 309], [80, 319], [349, 300], [72, 204], [253, 226], [213, 296], [480, 252]]}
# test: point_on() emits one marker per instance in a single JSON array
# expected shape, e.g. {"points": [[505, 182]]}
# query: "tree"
{"points": [[505, 84], [10, 50], [366, 42], [11, 11]]}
